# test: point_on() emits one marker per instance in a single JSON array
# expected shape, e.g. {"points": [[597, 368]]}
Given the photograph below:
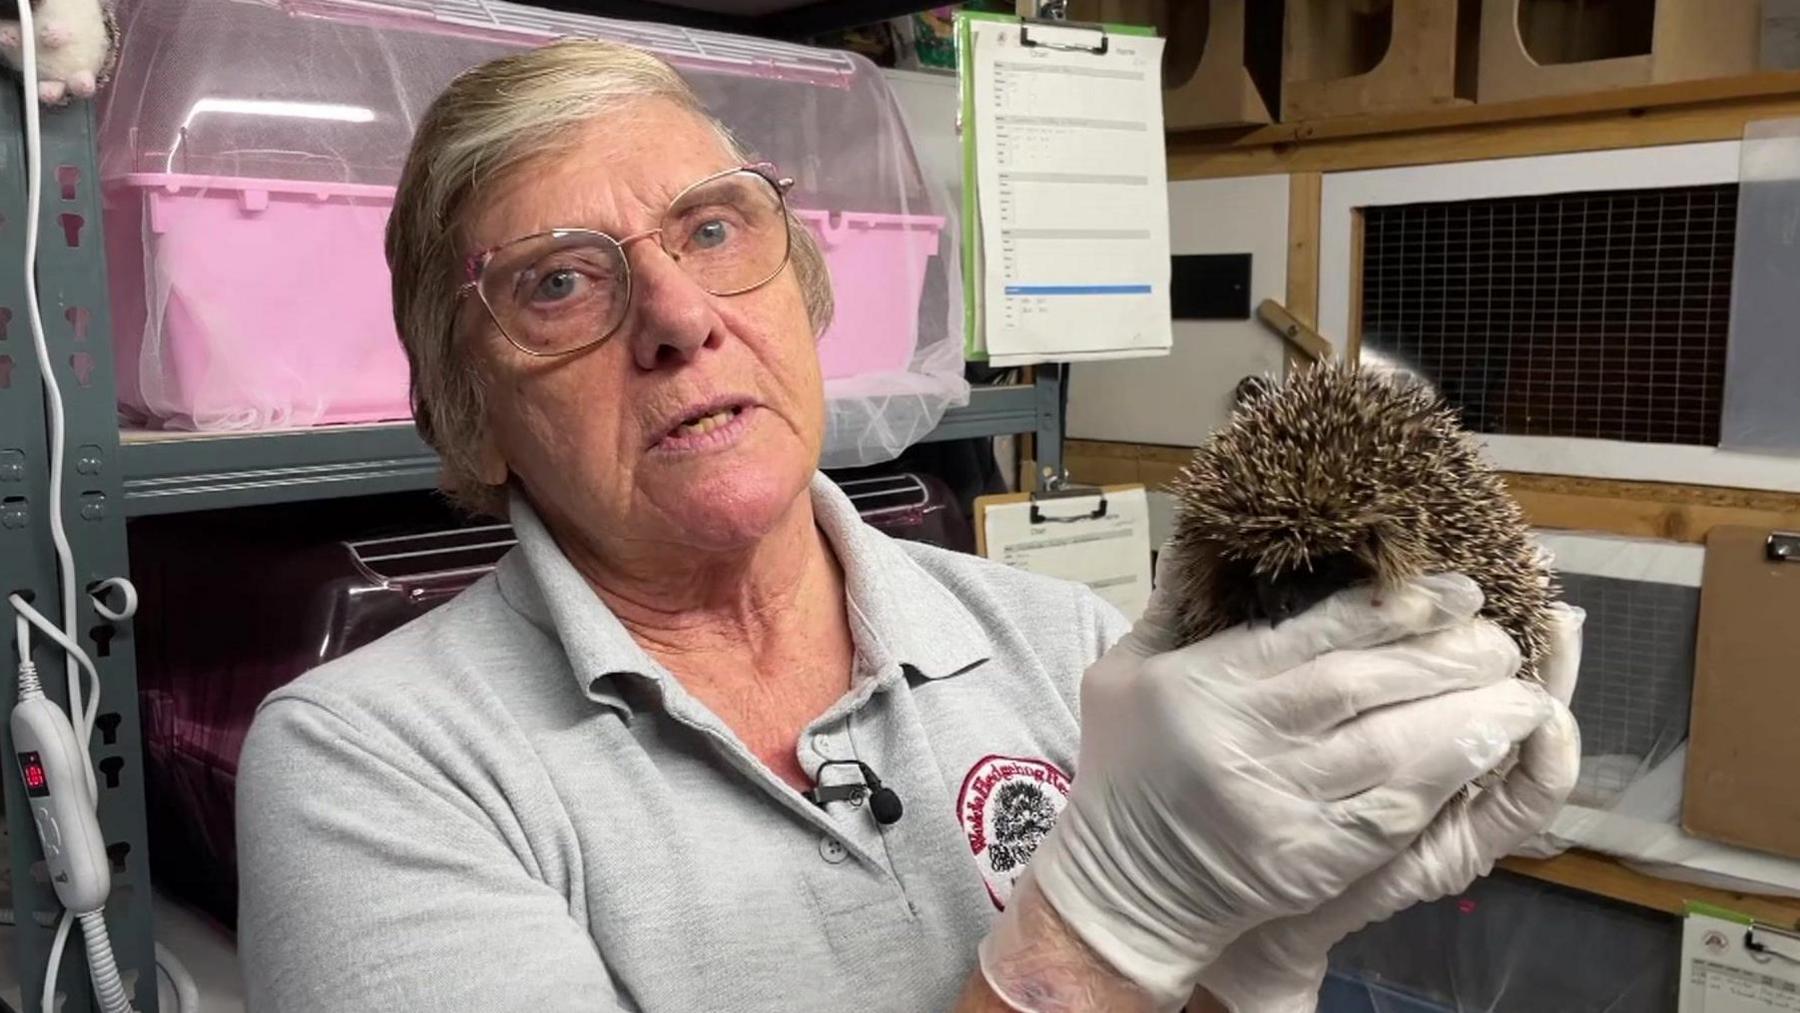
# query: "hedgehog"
{"points": [[1343, 476]]}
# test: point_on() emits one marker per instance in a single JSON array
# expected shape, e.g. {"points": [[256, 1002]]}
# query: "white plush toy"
{"points": [[75, 40]]}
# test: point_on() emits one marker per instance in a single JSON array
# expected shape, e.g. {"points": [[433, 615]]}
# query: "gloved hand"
{"points": [[1279, 967], [1261, 772]]}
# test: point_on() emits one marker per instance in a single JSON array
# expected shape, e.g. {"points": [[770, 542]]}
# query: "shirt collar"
{"points": [[901, 617]]}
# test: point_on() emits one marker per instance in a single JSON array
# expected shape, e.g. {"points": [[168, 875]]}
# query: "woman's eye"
{"points": [[556, 286], [710, 234]]}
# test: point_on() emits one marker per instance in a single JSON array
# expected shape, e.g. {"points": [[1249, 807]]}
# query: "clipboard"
{"points": [[1098, 535], [1097, 40], [1743, 764], [1733, 964]]}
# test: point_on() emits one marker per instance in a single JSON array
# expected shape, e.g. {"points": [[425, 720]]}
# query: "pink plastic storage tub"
{"points": [[877, 265], [252, 304]]}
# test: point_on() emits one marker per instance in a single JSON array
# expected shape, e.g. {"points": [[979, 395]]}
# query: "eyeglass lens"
{"points": [[570, 288]]}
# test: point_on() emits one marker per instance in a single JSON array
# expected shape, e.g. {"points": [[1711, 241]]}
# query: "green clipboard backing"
{"points": [[971, 209], [1695, 907]]}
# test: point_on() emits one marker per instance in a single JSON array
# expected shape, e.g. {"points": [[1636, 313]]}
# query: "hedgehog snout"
{"points": [[1281, 596], [1279, 599]]}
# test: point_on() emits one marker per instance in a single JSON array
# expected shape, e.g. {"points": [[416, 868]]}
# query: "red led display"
{"points": [[37, 784]]}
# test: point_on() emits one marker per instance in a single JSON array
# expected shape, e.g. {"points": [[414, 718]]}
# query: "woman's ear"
{"points": [[490, 463]]}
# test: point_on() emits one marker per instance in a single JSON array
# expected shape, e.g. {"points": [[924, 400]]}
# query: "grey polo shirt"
{"points": [[507, 805]]}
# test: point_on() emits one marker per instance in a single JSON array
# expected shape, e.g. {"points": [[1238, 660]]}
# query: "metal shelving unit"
{"points": [[109, 480], [171, 473]]}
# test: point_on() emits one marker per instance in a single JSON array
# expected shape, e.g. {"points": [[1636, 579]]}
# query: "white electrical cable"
{"points": [[48, 999], [187, 990], [53, 402], [107, 986]]}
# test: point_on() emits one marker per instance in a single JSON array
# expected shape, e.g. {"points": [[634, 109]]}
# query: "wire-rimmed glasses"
{"points": [[566, 290]]}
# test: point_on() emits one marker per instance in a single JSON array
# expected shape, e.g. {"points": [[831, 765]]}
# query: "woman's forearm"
{"points": [[1033, 957]]}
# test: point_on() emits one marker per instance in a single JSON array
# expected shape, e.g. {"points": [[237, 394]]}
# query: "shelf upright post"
{"points": [[1049, 384], [73, 296], [27, 563]]}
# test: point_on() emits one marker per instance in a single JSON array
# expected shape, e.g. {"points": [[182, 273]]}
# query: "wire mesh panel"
{"points": [[1637, 674], [1600, 315]]}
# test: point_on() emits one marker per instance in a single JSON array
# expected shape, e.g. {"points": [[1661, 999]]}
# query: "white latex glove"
{"points": [[1279, 967], [1264, 770]]}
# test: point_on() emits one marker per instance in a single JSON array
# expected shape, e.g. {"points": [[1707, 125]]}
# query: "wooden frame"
{"points": [[1680, 513], [1425, 61], [1213, 42], [1303, 247], [1222, 90], [1677, 113], [1689, 40]]}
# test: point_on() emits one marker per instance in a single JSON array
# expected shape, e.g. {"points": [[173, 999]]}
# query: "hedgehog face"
{"points": [[1278, 597]]}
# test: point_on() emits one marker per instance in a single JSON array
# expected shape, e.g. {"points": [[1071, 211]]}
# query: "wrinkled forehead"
{"points": [[615, 173]]}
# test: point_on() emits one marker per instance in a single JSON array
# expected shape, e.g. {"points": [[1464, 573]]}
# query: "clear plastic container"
{"points": [[242, 605], [1510, 945], [249, 150]]}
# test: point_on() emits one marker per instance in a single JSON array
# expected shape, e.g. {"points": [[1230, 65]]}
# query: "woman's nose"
{"points": [[671, 317]]}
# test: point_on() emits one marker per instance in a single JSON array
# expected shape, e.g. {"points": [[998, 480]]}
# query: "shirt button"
{"points": [[831, 850], [821, 744]]}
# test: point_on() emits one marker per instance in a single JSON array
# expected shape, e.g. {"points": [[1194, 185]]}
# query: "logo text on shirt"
{"points": [[1007, 806]]}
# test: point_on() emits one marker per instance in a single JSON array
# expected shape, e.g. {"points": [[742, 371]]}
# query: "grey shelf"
{"points": [[175, 473], [172, 473], [784, 19]]}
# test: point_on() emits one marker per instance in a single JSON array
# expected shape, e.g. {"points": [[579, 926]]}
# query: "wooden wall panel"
{"points": [[1681, 513]]}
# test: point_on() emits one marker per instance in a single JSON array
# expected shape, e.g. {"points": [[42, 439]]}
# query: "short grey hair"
{"points": [[488, 121]]}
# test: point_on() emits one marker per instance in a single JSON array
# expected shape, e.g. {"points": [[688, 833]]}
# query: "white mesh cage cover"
{"points": [[249, 149]]}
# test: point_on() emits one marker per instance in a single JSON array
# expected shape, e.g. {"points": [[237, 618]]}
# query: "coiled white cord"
{"points": [[183, 993], [109, 990]]}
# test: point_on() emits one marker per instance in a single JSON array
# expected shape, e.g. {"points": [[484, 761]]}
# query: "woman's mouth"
{"points": [[706, 423], [711, 431]]}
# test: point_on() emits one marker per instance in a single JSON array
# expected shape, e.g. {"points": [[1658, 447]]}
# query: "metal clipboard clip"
{"points": [[1098, 49], [1783, 547], [1775, 944], [1068, 492]]}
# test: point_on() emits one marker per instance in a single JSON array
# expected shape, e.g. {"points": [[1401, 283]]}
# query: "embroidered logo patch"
{"points": [[1007, 805]]}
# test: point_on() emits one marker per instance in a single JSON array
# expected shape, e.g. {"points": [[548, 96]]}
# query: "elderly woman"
{"points": [[707, 742]]}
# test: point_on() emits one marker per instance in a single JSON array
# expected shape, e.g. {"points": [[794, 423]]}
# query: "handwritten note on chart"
{"points": [[1073, 193], [1101, 541]]}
